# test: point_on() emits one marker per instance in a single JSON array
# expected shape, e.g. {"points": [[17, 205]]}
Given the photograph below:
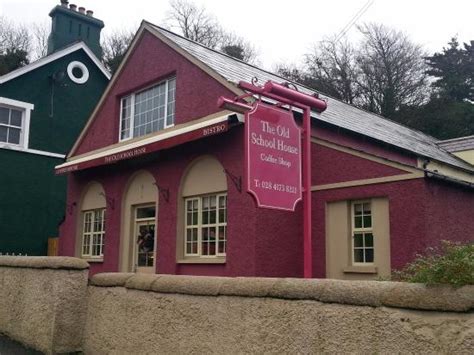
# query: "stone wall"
{"points": [[46, 304], [43, 301], [179, 314]]}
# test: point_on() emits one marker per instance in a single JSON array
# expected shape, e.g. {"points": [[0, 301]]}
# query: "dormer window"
{"points": [[148, 111]]}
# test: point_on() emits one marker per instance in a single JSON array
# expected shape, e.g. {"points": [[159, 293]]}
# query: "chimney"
{"points": [[71, 26]]}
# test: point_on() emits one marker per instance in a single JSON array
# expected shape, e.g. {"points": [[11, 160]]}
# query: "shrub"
{"points": [[451, 263]]}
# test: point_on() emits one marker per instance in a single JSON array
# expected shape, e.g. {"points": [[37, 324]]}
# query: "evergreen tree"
{"points": [[454, 70]]}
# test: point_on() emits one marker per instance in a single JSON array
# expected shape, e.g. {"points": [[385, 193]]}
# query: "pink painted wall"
{"points": [[267, 242], [261, 242], [332, 166], [365, 144], [150, 62]]}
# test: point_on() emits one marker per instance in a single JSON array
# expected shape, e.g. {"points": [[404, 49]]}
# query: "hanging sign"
{"points": [[273, 157]]}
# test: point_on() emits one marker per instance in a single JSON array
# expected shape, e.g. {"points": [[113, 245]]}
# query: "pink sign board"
{"points": [[273, 157]]}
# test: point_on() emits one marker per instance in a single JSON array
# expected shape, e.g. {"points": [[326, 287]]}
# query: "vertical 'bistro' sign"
{"points": [[273, 157]]}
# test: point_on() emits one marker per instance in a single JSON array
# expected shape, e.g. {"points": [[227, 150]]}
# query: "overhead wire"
{"points": [[354, 19]]}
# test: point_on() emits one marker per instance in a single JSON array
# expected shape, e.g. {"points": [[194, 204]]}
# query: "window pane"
{"points": [[357, 209], [212, 217], [358, 242], [369, 255], [146, 212], [3, 133], [222, 216], [222, 240], [367, 221], [369, 240], [4, 114], [14, 135], [213, 201], [366, 208], [358, 222], [359, 255], [15, 118]]}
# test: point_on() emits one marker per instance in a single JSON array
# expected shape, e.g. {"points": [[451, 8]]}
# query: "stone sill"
{"points": [[356, 269], [202, 261], [93, 260]]}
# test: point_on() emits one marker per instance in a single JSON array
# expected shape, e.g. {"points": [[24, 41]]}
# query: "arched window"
{"points": [[92, 222], [202, 229]]}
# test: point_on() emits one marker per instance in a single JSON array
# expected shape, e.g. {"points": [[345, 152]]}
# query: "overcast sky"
{"points": [[280, 32]]}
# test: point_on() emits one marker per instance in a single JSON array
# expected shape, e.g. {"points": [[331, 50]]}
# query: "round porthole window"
{"points": [[77, 72]]}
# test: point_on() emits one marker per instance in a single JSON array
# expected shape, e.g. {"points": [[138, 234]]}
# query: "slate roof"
{"points": [[338, 113], [458, 144]]}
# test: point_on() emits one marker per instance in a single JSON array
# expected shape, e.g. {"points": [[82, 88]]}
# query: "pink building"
{"points": [[154, 180]]}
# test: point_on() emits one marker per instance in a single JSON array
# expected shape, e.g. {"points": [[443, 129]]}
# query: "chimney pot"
{"points": [[82, 10], [64, 3], [73, 7], [90, 13]]}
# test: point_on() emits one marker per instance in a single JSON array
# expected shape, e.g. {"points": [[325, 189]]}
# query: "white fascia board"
{"points": [[52, 57], [145, 141]]}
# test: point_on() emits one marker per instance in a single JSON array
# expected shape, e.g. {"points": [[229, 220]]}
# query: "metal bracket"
{"points": [[237, 180], [164, 192], [109, 200]]}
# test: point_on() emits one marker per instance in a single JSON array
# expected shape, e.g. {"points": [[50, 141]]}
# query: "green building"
{"points": [[43, 108]]}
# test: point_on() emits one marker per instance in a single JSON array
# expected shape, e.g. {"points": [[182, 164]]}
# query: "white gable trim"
{"points": [[52, 57]]}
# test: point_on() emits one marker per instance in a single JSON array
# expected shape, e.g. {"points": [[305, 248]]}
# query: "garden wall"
{"points": [[183, 314], [46, 304], [43, 301]]}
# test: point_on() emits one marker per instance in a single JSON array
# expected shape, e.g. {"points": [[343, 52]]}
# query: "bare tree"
{"points": [[15, 44], [391, 70], [13, 36], [114, 47], [194, 23], [39, 33], [332, 67], [197, 24], [237, 47]]}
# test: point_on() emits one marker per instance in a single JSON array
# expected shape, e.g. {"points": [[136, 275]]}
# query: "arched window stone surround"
{"points": [[141, 189], [205, 175], [93, 198]]}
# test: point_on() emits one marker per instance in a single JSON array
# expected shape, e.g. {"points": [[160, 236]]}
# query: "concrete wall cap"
{"points": [[361, 293], [248, 286], [44, 262], [436, 297], [191, 285], [141, 281], [110, 279]]}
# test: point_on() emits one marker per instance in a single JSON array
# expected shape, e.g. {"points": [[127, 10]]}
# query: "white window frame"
{"points": [[89, 236], [137, 220], [132, 109], [362, 230], [26, 109], [200, 226]]}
